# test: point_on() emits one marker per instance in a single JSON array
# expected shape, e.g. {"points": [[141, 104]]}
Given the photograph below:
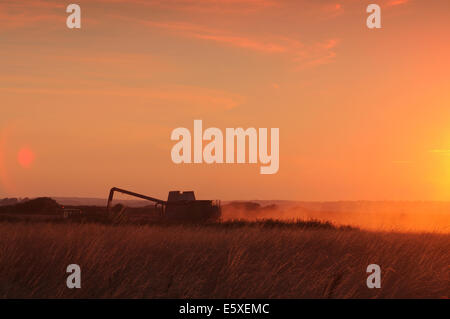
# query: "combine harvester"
{"points": [[179, 207]]}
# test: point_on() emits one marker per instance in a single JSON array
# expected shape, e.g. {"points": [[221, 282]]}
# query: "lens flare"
{"points": [[25, 157]]}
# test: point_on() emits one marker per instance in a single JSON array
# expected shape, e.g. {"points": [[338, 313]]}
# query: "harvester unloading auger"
{"points": [[179, 207]]}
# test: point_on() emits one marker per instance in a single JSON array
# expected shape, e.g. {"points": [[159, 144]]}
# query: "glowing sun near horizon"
{"points": [[25, 157]]}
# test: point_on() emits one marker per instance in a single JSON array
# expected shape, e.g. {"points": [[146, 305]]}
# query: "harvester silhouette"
{"points": [[179, 207]]}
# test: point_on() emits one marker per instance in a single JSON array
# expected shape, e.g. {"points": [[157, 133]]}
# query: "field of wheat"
{"points": [[129, 261]]}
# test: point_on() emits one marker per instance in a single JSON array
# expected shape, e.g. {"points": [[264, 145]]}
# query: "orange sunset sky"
{"points": [[363, 114]]}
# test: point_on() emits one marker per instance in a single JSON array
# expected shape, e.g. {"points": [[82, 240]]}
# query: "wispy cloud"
{"points": [[205, 6], [275, 41], [302, 54], [18, 14], [33, 4], [333, 9], [20, 20], [392, 3], [215, 35], [32, 13]]}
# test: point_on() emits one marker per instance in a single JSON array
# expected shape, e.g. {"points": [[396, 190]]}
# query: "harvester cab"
{"points": [[179, 207]]}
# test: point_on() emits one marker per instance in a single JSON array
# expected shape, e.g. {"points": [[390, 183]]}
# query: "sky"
{"points": [[363, 113]]}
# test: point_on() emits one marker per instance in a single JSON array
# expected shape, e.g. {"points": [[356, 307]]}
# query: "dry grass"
{"points": [[212, 262]]}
